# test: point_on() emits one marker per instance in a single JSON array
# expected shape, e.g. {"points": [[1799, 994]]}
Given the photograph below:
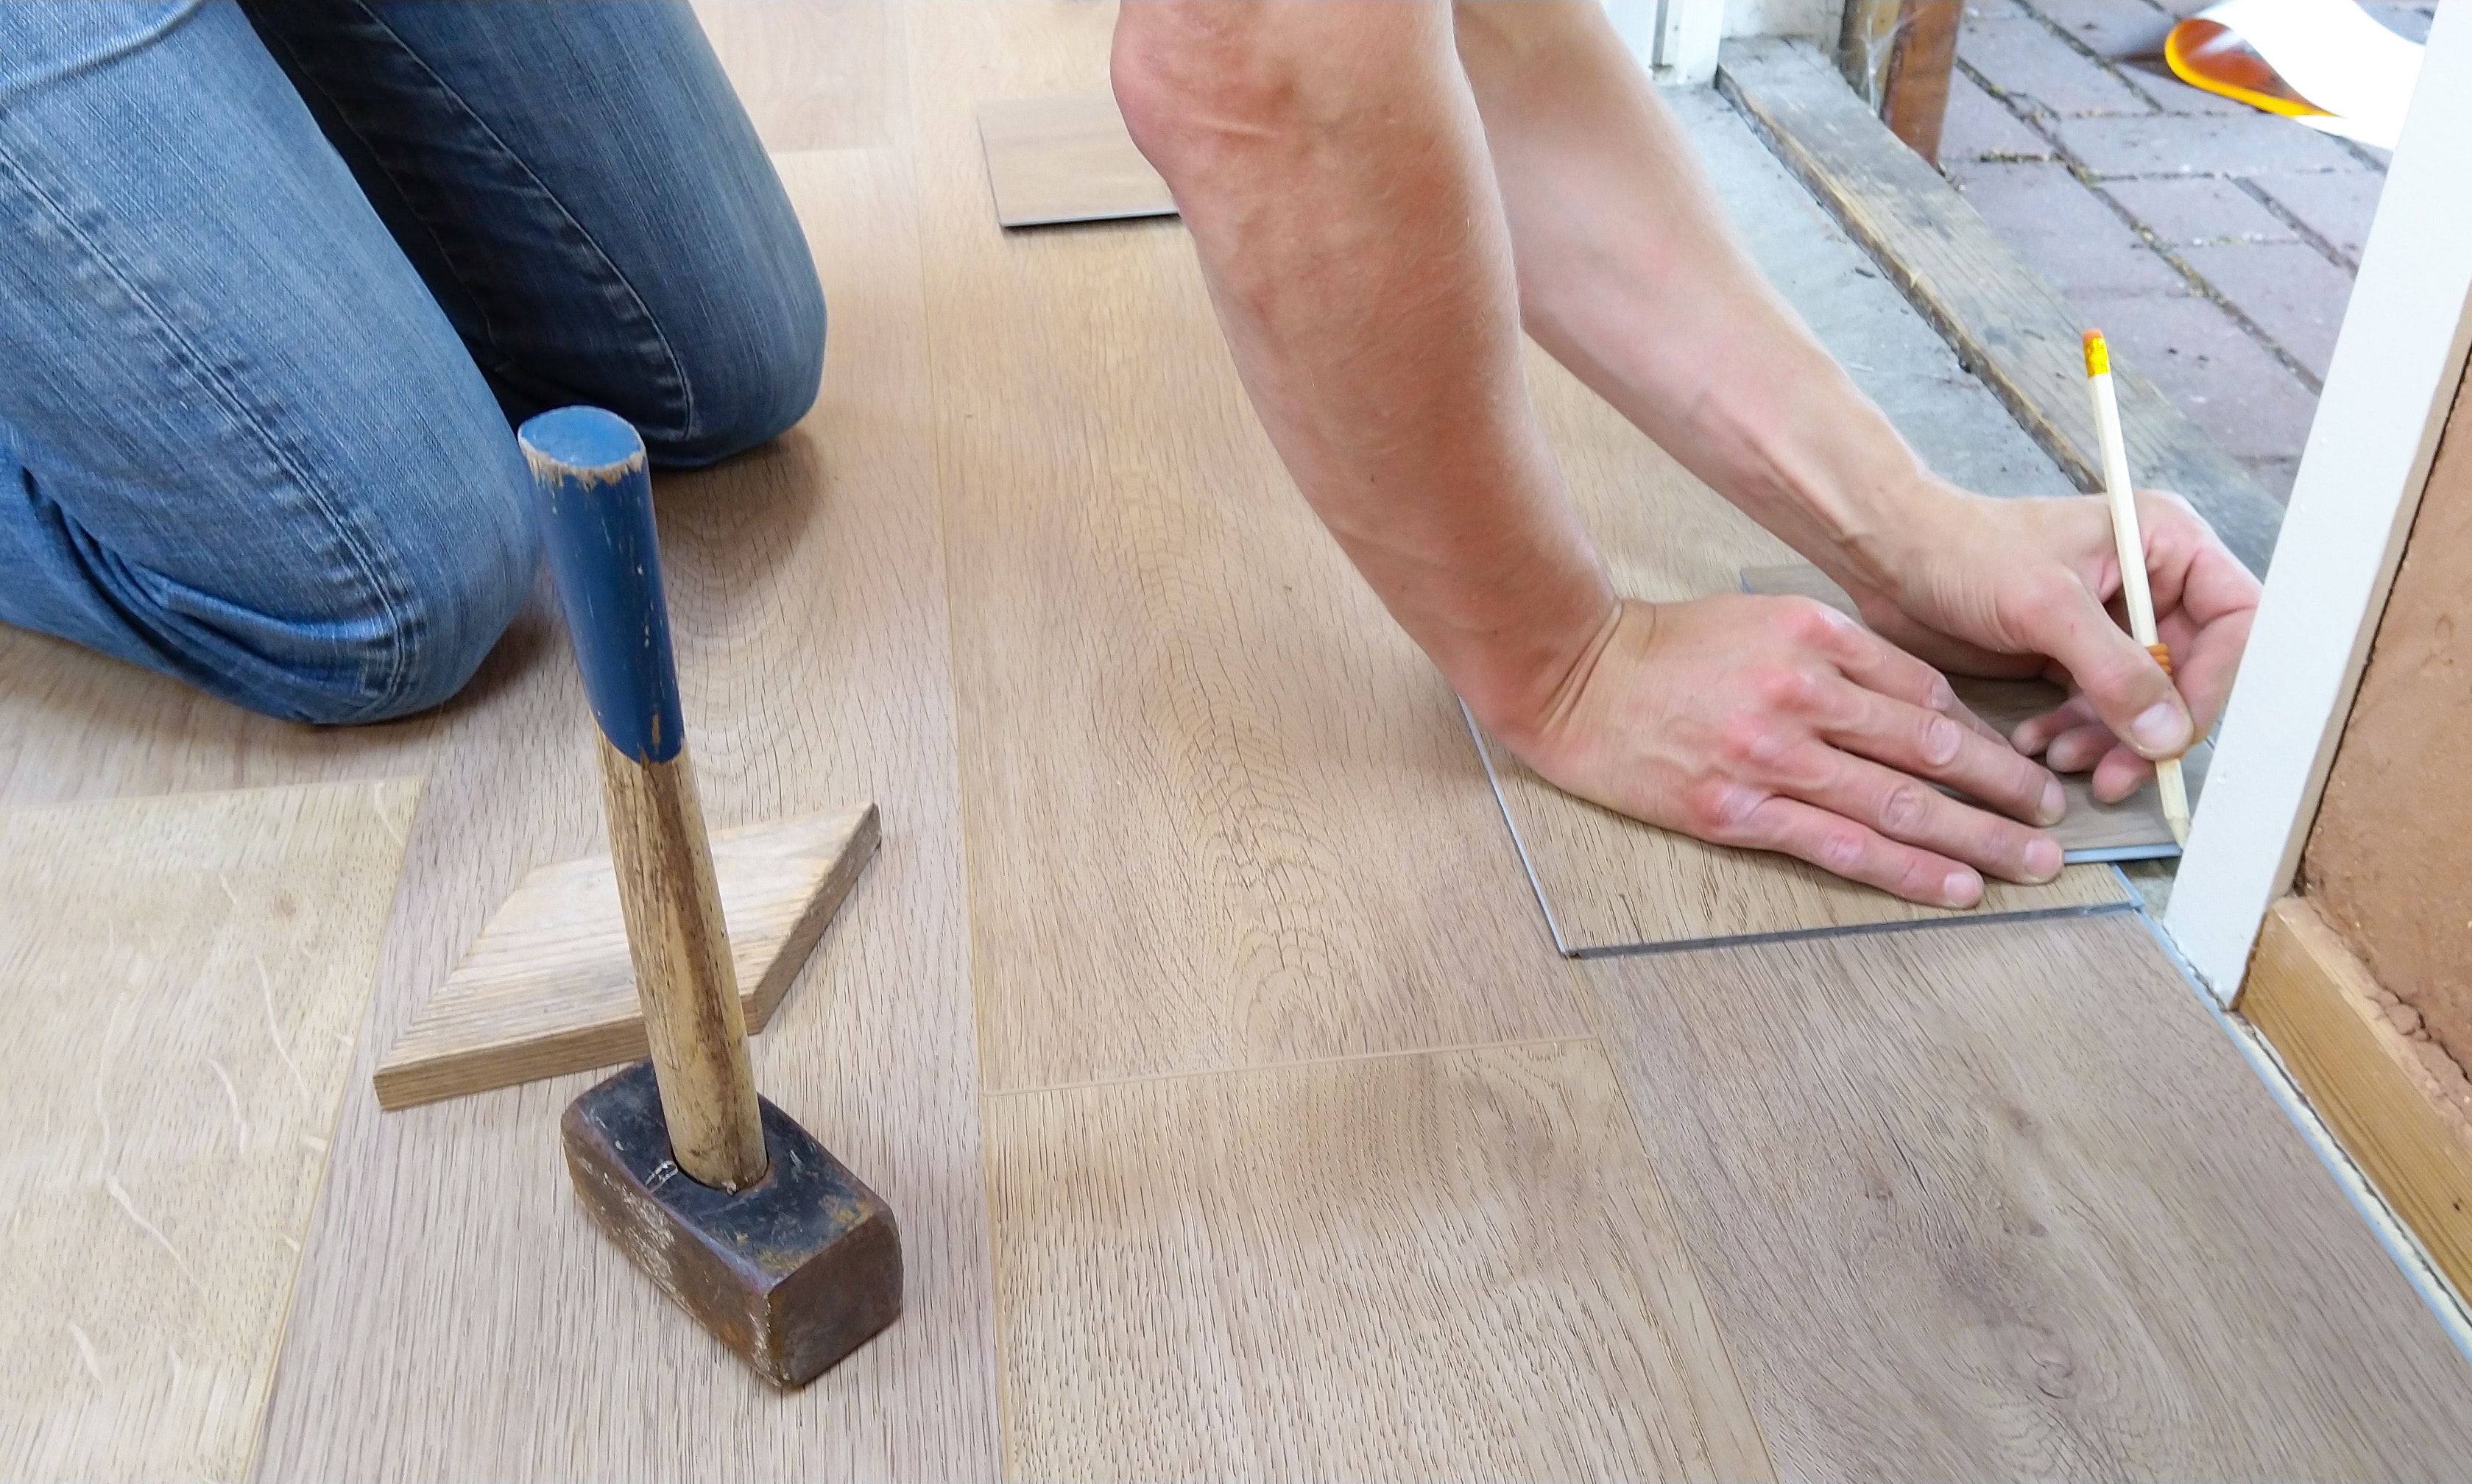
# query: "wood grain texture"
{"points": [[683, 976], [459, 1316], [813, 74], [2004, 1202], [1066, 158], [2014, 330], [1453, 1265], [1221, 811], [1612, 884], [180, 980], [75, 725], [2133, 829], [2405, 1115], [549, 988]]}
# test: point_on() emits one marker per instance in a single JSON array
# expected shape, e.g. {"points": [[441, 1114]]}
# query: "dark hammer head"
{"points": [[793, 1272]]}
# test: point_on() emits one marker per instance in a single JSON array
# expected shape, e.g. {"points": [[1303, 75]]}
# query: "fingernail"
{"points": [[2160, 728], [2043, 859], [1963, 888], [2055, 802]]}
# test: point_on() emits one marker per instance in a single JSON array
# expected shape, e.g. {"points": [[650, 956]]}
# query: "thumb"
{"points": [[2120, 680]]}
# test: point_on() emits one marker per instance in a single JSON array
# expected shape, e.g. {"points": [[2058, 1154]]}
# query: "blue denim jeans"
{"points": [[275, 277]]}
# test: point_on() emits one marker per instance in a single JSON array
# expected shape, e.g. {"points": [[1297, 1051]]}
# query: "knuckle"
{"points": [[1905, 807], [1720, 808], [1786, 688], [1807, 621], [1748, 739], [1941, 739], [1839, 851]]}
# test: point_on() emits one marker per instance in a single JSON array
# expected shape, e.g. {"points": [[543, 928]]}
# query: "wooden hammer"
{"points": [[737, 1212]]}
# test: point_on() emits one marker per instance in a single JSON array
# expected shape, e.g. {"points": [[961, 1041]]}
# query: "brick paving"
{"points": [[2215, 244]]}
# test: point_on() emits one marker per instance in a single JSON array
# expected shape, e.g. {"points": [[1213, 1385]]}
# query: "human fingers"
{"points": [[1844, 847], [2035, 735], [1910, 810], [1876, 665], [2078, 751], [2121, 682], [1927, 744]]}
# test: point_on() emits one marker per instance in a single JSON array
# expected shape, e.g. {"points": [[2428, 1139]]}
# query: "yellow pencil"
{"points": [[2133, 559]]}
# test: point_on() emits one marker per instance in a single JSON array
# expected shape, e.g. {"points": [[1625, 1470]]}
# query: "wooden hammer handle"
{"points": [[596, 508]]}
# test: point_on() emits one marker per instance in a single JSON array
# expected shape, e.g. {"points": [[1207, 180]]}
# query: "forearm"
{"points": [[1332, 169], [1630, 274]]}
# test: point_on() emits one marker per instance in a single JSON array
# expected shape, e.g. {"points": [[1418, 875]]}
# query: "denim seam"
{"points": [[677, 372], [398, 641]]}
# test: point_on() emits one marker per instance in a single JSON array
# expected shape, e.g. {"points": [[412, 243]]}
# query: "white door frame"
{"points": [[2397, 361]]}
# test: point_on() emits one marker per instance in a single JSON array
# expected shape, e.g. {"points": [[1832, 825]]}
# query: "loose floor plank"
{"points": [[2001, 1201], [459, 1317], [180, 979], [1453, 1265], [549, 987], [2132, 829], [1220, 811], [75, 726], [1066, 158], [1610, 884]]}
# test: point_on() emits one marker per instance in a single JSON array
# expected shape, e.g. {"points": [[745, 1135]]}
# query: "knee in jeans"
{"points": [[451, 590], [751, 372]]}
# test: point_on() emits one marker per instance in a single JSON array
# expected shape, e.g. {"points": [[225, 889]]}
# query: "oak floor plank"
{"points": [[2003, 1201], [461, 1317], [1220, 811], [77, 726], [1443, 1265], [180, 979], [1610, 883]]}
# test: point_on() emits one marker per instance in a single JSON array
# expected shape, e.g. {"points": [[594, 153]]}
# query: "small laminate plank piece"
{"points": [[1067, 159], [2133, 829], [1612, 884], [1450, 1266], [1221, 811], [548, 988], [180, 979], [2398, 1102], [2004, 1201], [2014, 329]]}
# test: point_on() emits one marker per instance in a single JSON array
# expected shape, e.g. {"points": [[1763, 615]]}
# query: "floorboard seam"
{"points": [[1851, 929], [1484, 758], [1349, 1058]]}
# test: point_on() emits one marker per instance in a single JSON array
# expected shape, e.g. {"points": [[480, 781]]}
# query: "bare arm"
{"points": [[1331, 163], [1630, 275], [1331, 167]]}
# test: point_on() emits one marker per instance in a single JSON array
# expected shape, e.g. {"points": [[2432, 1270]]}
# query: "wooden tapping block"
{"points": [[548, 987], [735, 1212], [2135, 829], [1056, 160]]}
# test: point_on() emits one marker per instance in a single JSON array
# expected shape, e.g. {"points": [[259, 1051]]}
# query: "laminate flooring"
{"points": [[1999, 1201], [1195, 1016], [182, 981]]}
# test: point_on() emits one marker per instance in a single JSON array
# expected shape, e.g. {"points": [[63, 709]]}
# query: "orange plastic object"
{"points": [[2205, 54]]}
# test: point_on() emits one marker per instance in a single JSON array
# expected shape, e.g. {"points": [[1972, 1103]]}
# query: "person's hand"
{"points": [[1778, 723], [2033, 586]]}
